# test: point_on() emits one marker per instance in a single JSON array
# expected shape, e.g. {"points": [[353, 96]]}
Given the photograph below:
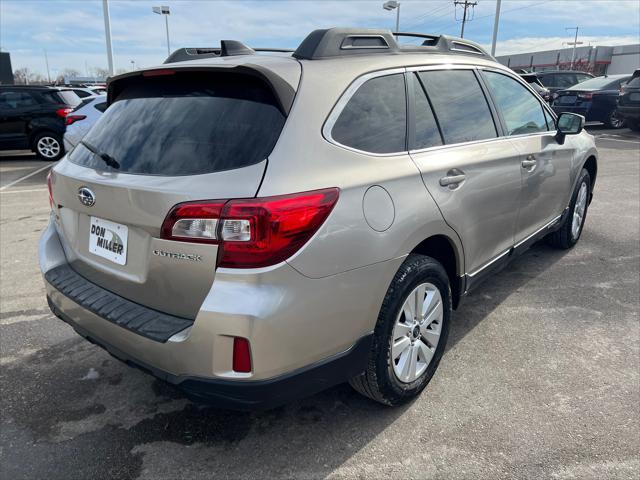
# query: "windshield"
{"points": [[599, 83], [185, 124]]}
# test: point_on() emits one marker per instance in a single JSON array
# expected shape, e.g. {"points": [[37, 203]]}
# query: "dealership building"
{"points": [[599, 60]]}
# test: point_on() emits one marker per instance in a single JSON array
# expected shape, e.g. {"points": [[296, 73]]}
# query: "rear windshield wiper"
{"points": [[106, 158]]}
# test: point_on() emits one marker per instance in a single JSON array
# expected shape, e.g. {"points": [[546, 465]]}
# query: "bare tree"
{"points": [[101, 72], [21, 76]]}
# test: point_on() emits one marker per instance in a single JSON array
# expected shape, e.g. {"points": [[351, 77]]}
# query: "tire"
{"points": [[384, 379], [567, 235], [614, 120], [48, 146]]}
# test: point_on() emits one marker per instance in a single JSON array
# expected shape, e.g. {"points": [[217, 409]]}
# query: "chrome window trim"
{"points": [[342, 102], [463, 144]]}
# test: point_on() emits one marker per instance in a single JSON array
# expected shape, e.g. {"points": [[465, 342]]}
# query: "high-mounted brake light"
{"points": [[63, 112], [158, 73], [71, 119], [254, 232]]}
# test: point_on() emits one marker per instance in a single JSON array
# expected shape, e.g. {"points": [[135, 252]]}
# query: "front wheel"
{"points": [[48, 146], [569, 233], [410, 335]]}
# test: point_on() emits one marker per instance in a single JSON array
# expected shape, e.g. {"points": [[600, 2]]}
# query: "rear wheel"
{"points": [[615, 120], [411, 333], [48, 146], [569, 234]]}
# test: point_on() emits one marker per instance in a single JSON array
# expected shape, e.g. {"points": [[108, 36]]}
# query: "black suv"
{"points": [[629, 102], [33, 118], [556, 80]]}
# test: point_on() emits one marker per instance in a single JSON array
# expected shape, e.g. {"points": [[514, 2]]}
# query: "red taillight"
{"points": [[51, 202], [241, 355], [63, 112], [70, 119], [255, 232]]}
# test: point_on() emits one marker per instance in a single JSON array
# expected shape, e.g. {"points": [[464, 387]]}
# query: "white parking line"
{"points": [[617, 140], [26, 190], [25, 177]]}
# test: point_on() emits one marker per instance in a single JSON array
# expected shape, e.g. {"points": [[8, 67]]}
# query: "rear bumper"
{"points": [[248, 395], [296, 326]]}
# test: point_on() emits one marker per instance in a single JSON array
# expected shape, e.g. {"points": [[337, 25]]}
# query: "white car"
{"points": [[82, 119]]}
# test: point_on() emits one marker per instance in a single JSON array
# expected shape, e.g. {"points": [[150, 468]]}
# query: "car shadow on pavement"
{"points": [[72, 411], [479, 303]]}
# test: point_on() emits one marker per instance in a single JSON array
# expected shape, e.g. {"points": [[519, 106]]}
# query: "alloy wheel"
{"points": [[416, 332], [48, 147], [579, 210]]}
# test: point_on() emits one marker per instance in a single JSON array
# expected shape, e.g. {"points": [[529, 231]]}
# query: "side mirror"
{"points": [[568, 124]]}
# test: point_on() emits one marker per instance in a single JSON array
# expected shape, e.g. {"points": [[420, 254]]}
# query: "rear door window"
{"points": [[427, 133], [521, 110], [375, 117], [185, 124], [460, 105]]}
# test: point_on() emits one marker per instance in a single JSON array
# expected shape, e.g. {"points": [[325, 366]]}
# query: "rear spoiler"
{"points": [[282, 90]]}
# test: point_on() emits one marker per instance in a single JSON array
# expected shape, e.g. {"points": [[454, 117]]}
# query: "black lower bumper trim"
{"points": [[251, 394], [113, 308]]}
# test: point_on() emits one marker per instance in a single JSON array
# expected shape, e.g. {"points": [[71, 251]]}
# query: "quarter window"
{"points": [[427, 133], [460, 105], [375, 118], [521, 111]]}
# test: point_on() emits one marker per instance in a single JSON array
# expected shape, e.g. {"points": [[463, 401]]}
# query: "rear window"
{"points": [[61, 97], [634, 82], [185, 124]]}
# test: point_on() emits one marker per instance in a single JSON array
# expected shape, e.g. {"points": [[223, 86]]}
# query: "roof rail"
{"points": [[339, 42], [227, 48]]}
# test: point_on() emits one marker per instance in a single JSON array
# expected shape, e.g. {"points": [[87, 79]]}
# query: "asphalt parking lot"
{"points": [[541, 378]]}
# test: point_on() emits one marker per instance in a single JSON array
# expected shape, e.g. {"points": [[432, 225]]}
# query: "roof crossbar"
{"points": [[227, 48]]}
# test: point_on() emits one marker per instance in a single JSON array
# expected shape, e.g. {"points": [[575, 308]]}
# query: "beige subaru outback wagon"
{"points": [[257, 225]]}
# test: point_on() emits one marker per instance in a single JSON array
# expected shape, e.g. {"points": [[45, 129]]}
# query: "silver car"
{"points": [[82, 119], [256, 226]]}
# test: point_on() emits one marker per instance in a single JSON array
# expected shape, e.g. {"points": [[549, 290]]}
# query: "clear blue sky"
{"points": [[72, 31]]}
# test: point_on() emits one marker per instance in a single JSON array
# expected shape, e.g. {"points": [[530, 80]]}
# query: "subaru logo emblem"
{"points": [[86, 197]]}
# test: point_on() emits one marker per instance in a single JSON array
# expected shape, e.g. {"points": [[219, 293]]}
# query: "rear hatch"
{"points": [[630, 92], [168, 137]]}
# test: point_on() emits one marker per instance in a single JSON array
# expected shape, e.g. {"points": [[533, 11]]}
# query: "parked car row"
{"points": [[37, 117], [613, 100]]}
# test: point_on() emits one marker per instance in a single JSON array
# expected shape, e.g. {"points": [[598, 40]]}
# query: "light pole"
{"points": [[575, 43], [133, 65], [164, 10], [107, 31], [393, 5], [496, 21]]}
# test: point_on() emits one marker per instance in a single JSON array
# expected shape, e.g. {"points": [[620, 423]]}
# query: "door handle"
{"points": [[452, 181], [530, 162]]}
